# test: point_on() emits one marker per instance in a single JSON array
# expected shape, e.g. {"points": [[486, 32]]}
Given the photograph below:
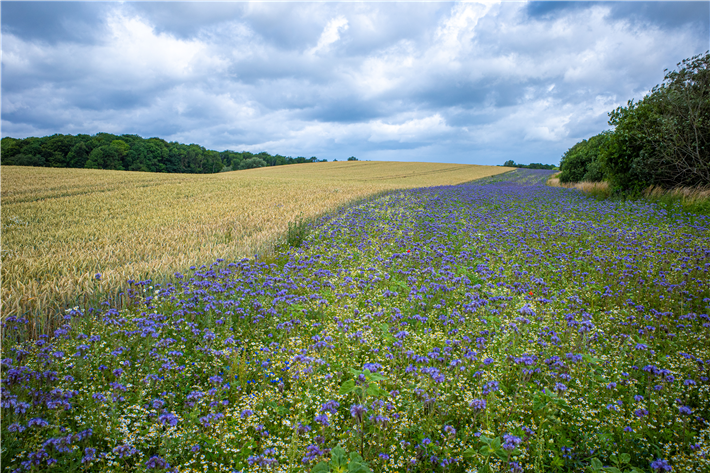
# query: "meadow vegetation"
{"points": [[73, 237], [497, 326]]}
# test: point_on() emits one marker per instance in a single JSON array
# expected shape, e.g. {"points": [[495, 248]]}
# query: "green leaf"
{"points": [[597, 465], [347, 387], [357, 467], [375, 390], [502, 454], [321, 467], [625, 458], [374, 376], [337, 456], [357, 464], [469, 453]]}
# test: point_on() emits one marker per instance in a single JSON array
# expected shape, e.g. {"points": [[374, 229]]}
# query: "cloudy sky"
{"points": [[475, 83]]}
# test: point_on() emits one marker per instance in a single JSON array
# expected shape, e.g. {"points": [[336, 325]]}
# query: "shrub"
{"points": [[581, 161], [252, 163], [663, 139]]}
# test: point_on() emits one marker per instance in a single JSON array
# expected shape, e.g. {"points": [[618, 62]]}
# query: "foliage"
{"points": [[132, 153], [442, 329], [663, 139], [581, 162], [252, 163], [352, 158], [297, 232], [511, 164], [339, 463]]}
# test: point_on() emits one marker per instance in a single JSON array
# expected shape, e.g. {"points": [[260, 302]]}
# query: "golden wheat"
{"points": [[60, 227], [598, 188]]}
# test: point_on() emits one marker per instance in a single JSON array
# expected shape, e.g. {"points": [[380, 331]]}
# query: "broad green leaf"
{"points": [[321, 467], [347, 387], [337, 457], [597, 465], [625, 458], [469, 453], [375, 376]]}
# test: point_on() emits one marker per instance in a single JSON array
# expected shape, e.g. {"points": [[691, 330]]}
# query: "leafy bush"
{"points": [[581, 161], [663, 139], [252, 163]]}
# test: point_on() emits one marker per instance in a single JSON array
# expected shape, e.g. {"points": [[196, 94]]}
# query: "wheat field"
{"points": [[62, 227]]}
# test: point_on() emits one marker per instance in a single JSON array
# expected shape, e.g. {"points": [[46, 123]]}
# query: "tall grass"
{"points": [[74, 237], [598, 190], [689, 199]]}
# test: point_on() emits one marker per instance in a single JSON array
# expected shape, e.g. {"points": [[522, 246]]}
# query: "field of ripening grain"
{"points": [[62, 227], [496, 326]]}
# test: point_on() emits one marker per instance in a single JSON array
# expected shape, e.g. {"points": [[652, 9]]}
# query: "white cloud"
{"points": [[450, 79], [415, 129], [330, 34]]}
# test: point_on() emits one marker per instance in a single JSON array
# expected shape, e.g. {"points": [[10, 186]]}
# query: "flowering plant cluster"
{"points": [[481, 327]]}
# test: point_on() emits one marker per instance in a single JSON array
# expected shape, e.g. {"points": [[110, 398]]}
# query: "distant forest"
{"points": [[132, 153], [511, 164]]}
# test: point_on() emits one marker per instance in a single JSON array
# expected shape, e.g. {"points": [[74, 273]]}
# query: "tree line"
{"points": [[512, 164], [661, 140], [132, 153]]}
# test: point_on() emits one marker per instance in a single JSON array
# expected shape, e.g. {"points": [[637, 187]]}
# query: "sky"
{"points": [[474, 83]]}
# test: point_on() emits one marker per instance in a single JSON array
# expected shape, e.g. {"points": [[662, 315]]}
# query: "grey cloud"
{"points": [[345, 110], [666, 15], [529, 82], [54, 22]]}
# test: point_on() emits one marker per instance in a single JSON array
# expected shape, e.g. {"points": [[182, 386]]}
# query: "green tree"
{"points": [[29, 160], [581, 161], [9, 148], [663, 139], [78, 155], [252, 163], [104, 157], [56, 148]]}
